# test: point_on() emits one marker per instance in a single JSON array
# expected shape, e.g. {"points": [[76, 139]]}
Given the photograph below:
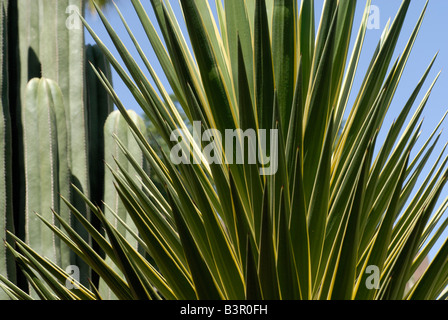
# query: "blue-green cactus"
{"points": [[47, 172], [50, 44]]}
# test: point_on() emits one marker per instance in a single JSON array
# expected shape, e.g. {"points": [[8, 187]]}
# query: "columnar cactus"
{"points": [[99, 106], [47, 172], [52, 130], [116, 127], [50, 44], [7, 265]]}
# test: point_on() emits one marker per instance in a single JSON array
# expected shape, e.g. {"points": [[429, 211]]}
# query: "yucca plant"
{"points": [[333, 205]]}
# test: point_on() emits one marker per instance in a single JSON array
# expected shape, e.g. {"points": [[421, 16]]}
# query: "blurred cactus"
{"points": [[117, 129], [100, 3]]}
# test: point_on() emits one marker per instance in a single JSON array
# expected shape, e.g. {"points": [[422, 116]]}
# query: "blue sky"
{"points": [[431, 40]]}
